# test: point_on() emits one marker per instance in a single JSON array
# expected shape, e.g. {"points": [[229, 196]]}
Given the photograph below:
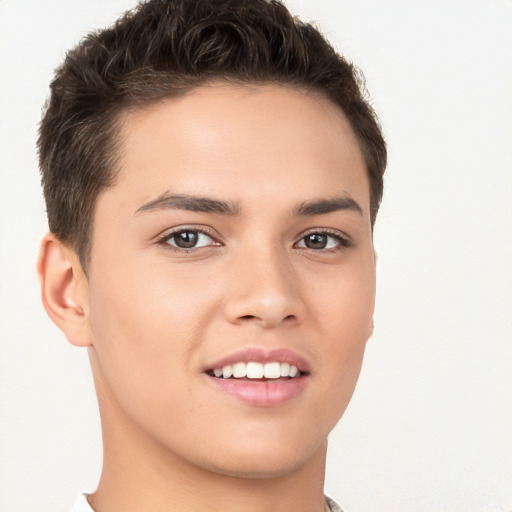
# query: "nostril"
{"points": [[288, 318]]}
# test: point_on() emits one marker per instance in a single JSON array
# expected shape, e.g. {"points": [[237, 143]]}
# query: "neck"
{"points": [[140, 474]]}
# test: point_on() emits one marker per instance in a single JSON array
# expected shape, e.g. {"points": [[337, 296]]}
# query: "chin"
{"points": [[266, 458], [259, 468]]}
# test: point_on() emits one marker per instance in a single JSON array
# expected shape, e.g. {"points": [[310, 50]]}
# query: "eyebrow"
{"points": [[327, 205], [191, 203]]}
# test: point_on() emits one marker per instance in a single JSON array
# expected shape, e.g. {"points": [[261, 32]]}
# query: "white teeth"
{"points": [[239, 370], [285, 370], [272, 370], [253, 370]]}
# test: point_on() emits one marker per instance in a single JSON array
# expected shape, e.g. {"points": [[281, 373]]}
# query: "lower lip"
{"points": [[271, 393]]}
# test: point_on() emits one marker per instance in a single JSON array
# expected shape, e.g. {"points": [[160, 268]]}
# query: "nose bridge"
{"points": [[263, 288]]}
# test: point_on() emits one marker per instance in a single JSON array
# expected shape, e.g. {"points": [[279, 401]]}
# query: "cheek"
{"points": [[145, 331], [343, 325], [343, 303]]}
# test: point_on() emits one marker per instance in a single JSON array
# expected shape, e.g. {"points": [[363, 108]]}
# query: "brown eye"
{"points": [[324, 241], [316, 241], [185, 239], [188, 239]]}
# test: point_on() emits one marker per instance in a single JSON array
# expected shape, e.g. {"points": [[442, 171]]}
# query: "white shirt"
{"points": [[82, 505]]}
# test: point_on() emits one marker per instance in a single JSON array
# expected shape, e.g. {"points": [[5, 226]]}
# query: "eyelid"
{"points": [[163, 237], [345, 241]]}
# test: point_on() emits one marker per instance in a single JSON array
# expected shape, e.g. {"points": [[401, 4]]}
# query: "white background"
{"points": [[430, 425]]}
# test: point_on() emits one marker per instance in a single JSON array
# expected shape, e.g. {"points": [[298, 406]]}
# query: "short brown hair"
{"points": [[165, 48]]}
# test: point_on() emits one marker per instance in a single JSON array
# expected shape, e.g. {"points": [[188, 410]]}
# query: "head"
{"points": [[164, 49], [212, 173]]}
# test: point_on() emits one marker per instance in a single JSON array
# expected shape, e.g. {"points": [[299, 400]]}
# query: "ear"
{"points": [[371, 327], [64, 290]]}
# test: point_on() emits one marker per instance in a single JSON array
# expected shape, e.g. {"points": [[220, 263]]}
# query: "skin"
{"points": [[153, 317]]}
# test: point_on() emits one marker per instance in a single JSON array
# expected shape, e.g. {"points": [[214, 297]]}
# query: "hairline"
{"points": [[119, 114]]}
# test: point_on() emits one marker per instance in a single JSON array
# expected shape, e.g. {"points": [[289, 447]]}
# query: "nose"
{"points": [[263, 290]]}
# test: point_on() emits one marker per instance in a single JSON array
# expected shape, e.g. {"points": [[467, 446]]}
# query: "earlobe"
{"points": [[64, 289], [371, 329]]}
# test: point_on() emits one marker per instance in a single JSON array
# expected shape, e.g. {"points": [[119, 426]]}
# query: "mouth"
{"points": [[261, 378], [256, 371]]}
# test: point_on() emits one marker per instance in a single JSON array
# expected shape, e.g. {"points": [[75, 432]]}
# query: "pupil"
{"points": [[316, 241], [186, 239]]}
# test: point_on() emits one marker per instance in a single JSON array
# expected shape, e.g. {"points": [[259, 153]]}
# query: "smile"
{"points": [[257, 377], [255, 370]]}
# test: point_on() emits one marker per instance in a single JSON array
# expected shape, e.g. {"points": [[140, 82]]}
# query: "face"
{"points": [[236, 238]]}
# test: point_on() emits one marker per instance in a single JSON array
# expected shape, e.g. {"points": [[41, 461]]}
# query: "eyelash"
{"points": [[343, 242], [166, 237]]}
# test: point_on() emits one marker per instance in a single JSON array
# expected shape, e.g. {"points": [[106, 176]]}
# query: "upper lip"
{"points": [[261, 355]]}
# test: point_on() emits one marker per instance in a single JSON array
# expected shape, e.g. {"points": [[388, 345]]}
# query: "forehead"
{"points": [[231, 141]]}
